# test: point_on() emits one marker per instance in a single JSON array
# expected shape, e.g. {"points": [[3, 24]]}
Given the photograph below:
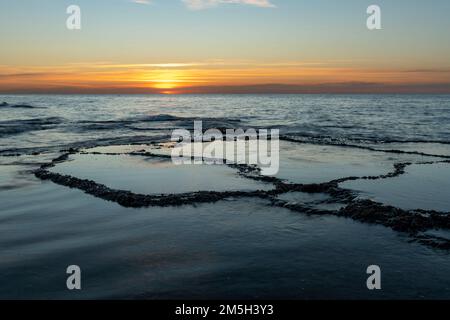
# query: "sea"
{"points": [[236, 247]]}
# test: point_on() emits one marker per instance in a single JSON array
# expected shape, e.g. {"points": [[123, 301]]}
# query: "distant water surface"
{"points": [[70, 118]]}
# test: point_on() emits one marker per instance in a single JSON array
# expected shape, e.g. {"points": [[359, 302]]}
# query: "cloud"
{"points": [[141, 1], [203, 4]]}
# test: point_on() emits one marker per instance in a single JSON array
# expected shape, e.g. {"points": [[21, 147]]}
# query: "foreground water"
{"points": [[238, 247]]}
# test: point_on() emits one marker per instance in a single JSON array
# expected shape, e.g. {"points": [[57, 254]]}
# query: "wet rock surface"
{"points": [[411, 222], [329, 141]]}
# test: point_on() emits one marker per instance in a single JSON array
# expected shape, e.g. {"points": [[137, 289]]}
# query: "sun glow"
{"points": [[165, 79], [165, 84]]}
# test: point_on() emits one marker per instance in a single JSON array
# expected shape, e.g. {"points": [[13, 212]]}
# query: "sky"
{"points": [[225, 46]]}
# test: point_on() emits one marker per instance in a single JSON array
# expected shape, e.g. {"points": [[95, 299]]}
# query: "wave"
{"points": [[161, 117], [12, 127], [337, 140], [18, 106], [421, 147], [161, 122]]}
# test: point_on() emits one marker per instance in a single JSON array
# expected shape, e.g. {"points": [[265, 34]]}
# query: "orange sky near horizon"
{"points": [[195, 77]]}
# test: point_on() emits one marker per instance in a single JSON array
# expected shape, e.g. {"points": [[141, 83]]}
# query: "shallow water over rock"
{"points": [[424, 186], [310, 163], [146, 175]]}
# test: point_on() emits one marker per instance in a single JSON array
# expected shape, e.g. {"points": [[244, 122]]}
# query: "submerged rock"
{"points": [[412, 222]]}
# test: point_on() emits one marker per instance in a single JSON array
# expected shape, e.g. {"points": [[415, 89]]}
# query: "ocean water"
{"points": [[73, 118], [236, 247]]}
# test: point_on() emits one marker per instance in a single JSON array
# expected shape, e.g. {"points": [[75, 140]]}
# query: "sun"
{"points": [[165, 84], [166, 79]]}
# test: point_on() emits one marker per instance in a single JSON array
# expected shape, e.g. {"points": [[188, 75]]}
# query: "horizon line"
{"points": [[325, 88]]}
